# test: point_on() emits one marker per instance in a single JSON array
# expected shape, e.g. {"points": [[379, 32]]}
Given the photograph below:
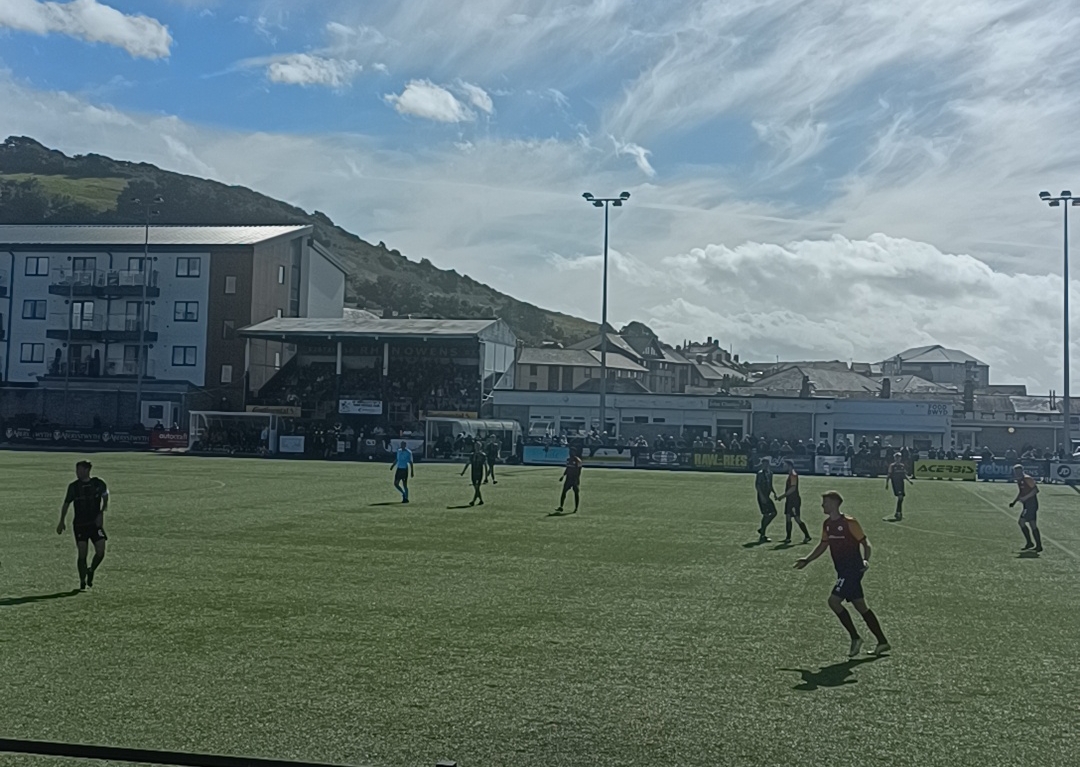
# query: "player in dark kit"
{"points": [[491, 452], [1028, 495], [91, 498], [844, 538], [477, 462], [793, 503], [896, 476], [765, 494], [571, 479]]}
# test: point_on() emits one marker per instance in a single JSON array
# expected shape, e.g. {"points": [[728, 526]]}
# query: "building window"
{"points": [[84, 264], [277, 360], [135, 264], [37, 266], [588, 372], [226, 373], [659, 420], [281, 275], [188, 267], [183, 356], [230, 285], [186, 311], [82, 315], [155, 412], [32, 353], [228, 330], [532, 370], [34, 310], [532, 386]]}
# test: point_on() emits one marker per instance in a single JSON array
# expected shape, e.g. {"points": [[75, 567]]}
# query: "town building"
{"points": [[96, 318]]}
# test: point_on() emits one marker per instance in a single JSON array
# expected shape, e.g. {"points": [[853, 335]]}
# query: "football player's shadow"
{"points": [[836, 675], [12, 601]]}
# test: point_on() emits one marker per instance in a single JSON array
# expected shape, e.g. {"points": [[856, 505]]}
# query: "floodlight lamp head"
{"points": [[624, 196], [597, 204], [588, 196], [1044, 195], [1066, 193], [617, 203], [1055, 203]]}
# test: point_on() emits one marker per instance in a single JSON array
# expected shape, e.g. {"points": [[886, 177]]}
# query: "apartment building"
{"points": [[150, 313]]}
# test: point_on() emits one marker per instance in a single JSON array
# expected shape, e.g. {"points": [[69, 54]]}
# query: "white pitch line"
{"points": [[1013, 515]]}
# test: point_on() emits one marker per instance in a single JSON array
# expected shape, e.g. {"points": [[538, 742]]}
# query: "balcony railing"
{"points": [[97, 327], [129, 367], [111, 368], [103, 282]]}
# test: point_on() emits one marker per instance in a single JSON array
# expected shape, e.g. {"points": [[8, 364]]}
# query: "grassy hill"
{"points": [[40, 185]]}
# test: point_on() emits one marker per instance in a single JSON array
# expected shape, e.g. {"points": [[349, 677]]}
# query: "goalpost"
{"points": [[214, 431]]}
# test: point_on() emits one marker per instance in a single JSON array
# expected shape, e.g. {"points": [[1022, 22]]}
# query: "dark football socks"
{"points": [[874, 626], [846, 622]]}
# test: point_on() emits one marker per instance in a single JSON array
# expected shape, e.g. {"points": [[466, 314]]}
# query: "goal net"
{"points": [[223, 432]]}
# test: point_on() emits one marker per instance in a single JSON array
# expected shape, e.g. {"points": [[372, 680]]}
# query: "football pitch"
{"points": [[298, 610]]}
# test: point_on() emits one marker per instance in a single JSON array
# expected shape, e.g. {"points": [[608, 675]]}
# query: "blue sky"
{"points": [[810, 178]]}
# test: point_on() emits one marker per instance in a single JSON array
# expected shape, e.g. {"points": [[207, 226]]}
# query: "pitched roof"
{"points": [[160, 236], [576, 358], [936, 354], [909, 384], [672, 356], [711, 371], [821, 380], [616, 343]]}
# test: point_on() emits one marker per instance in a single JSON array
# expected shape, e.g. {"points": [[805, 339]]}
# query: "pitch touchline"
{"points": [[1011, 515]]}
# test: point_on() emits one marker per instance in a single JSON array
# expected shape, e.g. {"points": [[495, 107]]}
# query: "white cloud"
{"points": [[423, 98], [139, 35], [639, 153], [865, 300], [477, 96], [308, 69]]}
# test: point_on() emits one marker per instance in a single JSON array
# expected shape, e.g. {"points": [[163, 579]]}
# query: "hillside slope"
{"points": [[40, 185]]}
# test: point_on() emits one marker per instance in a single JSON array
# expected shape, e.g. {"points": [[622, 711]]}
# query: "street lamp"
{"points": [[604, 202], [144, 314], [1054, 202]]}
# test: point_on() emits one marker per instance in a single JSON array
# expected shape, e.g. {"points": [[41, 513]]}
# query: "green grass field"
{"points": [[297, 610], [100, 194]]}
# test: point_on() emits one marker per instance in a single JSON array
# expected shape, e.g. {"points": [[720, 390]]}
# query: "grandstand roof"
{"points": [[358, 326], [936, 355], [12, 235]]}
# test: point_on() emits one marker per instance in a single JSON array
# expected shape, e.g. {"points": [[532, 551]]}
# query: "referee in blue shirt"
{"points": [[403, 469]]}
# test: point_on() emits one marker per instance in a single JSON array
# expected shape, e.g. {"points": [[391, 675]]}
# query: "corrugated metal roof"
{"points": [[365, 326], [16, 234]]}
